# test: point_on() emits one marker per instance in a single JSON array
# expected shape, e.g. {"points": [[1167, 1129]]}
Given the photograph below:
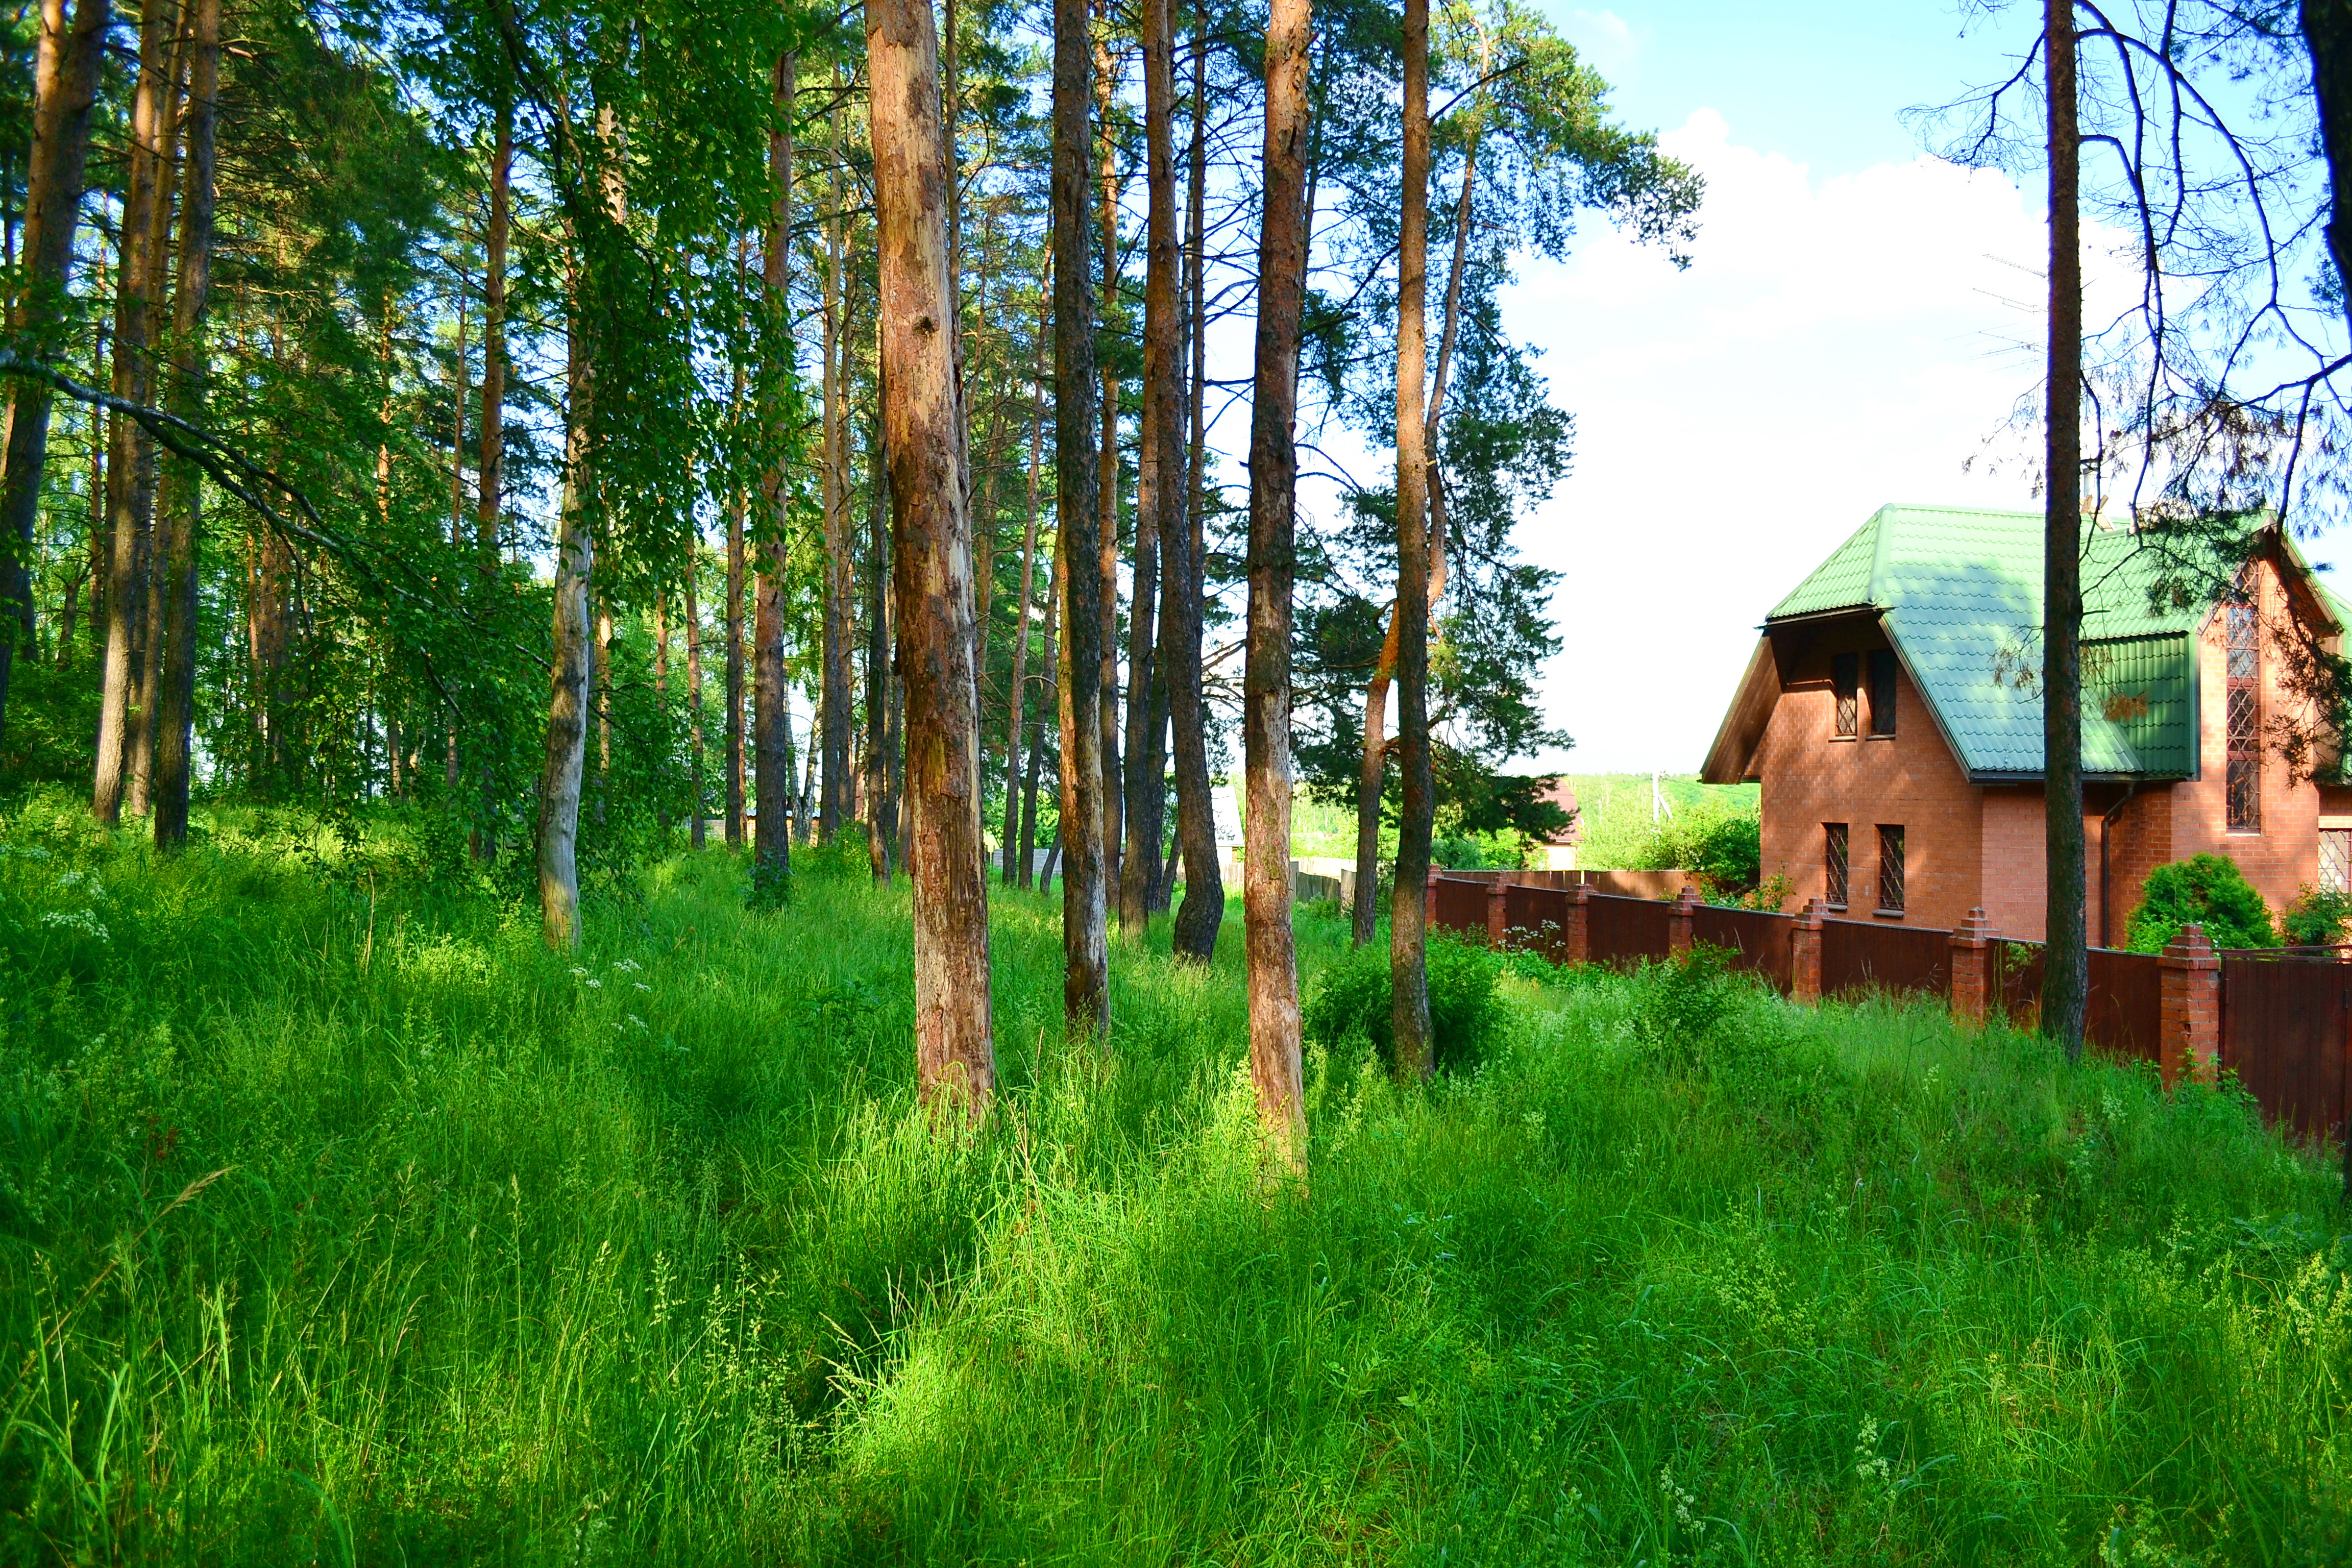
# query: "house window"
{"points": [[1834, 861], [1890, 869], [1846, 677], [2243, 718], [1882, 691], [2335, 859]]}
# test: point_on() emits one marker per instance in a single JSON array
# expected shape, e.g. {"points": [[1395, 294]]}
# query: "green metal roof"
{"points": [[1960, 593]]}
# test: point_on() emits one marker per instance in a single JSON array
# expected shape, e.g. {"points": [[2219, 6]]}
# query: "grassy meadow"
{"points": [[341, 1224]]}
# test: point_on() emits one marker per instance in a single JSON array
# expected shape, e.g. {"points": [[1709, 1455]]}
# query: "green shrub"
{"points": [[2318, 918], [1352, 999], [2204, 889], [1729, 852]]}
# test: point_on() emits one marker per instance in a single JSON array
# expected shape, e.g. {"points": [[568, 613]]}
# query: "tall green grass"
{"points": [[339, 1223]]}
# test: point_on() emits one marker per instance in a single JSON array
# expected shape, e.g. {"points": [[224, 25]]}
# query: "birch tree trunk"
{"points": [[922, 414], [135, 280], [771, 856], [180, 519], [1274, 1066], [2065, 977], [1086, 982], [1184, 570], [1409, 914], [65, 87], [567, 707]]}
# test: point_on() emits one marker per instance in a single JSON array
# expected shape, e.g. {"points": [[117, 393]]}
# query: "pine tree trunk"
{"points": [[881, 801], [772, 859], [1106, 85], [835, 807], [1016, 692], [1159, 477], [923, 415], [697, 833], [1184, 570], [1085, 984], [135, 283], [2328, 34], [147, 673], [1275, 1065], [65, 87], [181, 516], [2065, 977], [1037, 724], [1408, 914]]}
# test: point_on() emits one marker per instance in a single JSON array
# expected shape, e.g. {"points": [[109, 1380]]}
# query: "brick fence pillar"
{"points": [[1498, 911], [1429, 905], [1678, 923], [1805, 952], [2191, 1028], [1576, 934], [1971, 963]]}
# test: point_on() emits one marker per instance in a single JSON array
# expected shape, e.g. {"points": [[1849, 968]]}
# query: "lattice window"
{"points": [[2335, 859], [1890, 869], [1846, 678], [1834, 861], [2243, 719], [1882, 691]]}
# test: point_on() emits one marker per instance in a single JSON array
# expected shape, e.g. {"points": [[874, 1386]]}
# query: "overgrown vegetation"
{"points": [[2204, 889], [340, 1222]]}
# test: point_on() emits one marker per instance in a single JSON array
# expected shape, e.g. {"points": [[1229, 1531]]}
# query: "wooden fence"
{"points": [[2280, 1021]]}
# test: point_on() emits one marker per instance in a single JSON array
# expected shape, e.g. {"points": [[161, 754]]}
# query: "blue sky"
{"points": [[1852, 331]]}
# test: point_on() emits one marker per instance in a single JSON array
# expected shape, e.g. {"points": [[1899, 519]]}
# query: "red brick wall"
{"points": [[1811, 776], [2284, 854], [2140, 841], [2016, 861]]}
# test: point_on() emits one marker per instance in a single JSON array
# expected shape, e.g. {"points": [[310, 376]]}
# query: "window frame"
{"points": [[1845, 689], [2242, 717], [1891, 858], [1837, 864], [1883, 678], [2336, 868]]}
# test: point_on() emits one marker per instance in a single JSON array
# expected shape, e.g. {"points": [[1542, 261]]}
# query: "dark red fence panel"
{"points": [[1627, 931], [1459, 906], [1537, 918], [2282, 1033], [2016, 986], [1759, 940], [1857, 955], [2125, 1017]]}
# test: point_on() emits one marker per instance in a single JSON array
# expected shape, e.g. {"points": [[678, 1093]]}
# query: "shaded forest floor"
{"points": [[340, 1224]]}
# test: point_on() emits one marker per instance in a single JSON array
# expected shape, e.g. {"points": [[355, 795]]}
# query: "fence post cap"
{"points": [[1578, 892], [1974, 931], [2190, 949], [1815, 912], [1687, 899]]}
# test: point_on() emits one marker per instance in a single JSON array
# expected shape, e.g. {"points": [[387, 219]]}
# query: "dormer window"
{"points": [[1882, 692], [1845, 680]]}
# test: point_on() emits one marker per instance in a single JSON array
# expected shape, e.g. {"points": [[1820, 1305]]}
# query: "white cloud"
{"points": [[1834, 346]]}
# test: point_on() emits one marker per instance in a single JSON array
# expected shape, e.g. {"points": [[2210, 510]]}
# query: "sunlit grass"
{"points": [[340, 1223]]}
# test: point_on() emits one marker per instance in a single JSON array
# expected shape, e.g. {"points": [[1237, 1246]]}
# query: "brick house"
{"points": [[1890, 715]]}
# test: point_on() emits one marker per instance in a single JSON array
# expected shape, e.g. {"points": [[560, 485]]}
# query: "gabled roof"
{"points": [[1958, 593]]}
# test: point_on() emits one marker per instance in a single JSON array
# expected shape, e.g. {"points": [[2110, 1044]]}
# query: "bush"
{"points": [[1353, 997], [1729, 852], [2204, 889], [2318, 917]]}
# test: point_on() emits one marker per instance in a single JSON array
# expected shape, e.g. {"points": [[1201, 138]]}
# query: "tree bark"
{"points": [[1107, 84], [147, 670], [181, 516], [1017, 688], [835, 807], [696, 833], [1184, 571], [1159, 482], [1408, 914], [1086, 982], [567, 707], [2065, 977], [65, 87], [1037, 729], [771, 858], [922, 414], [735, 668], [126, 588], [881, 735], [1275, 1065], [2328, 34]]}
